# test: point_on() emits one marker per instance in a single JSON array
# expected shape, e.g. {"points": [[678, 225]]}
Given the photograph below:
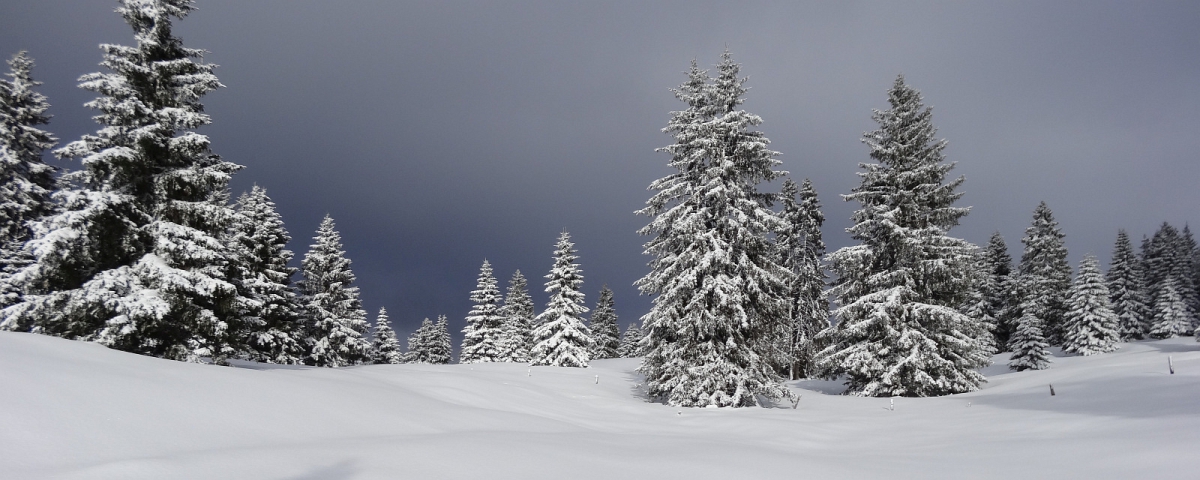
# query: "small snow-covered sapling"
{"points": [[1170, 366], [597, 379]]}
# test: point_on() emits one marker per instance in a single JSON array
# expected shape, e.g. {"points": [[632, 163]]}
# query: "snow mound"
{"points": [[74, 410]]}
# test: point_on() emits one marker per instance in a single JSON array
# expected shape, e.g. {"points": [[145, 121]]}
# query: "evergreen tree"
{"points": [[1184, 268], [1044, 275], [1126, 290], [560, 338], [385, 349], [483, 337], [442, 351], [631, 342], [336, 322], [1166, 261], [134, 261], [518, 320], [420, 342], [1027, 344], [1090, 324], [430, 343], [800, 251], [976, 305], [997, 289], [899, 331], [720, 298], [605, 331], [259, 268], [26, 182], [1171, 316]]}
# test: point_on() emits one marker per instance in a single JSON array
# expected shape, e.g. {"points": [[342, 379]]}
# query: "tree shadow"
{"points": [[1174, 347], [249, 365], [344, 469]]}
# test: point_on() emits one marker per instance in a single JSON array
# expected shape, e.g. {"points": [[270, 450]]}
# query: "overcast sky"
{"points": [[438, 134]]}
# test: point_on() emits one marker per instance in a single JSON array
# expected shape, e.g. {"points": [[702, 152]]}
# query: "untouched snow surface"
{"points": [[75, 410]]}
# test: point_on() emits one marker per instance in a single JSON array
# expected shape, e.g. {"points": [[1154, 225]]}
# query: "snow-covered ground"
{"points": [[75, 410]]}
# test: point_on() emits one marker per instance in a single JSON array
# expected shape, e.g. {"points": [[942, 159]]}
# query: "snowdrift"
{"points": [[74, 410]]}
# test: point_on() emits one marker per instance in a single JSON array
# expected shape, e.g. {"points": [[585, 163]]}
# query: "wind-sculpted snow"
{"points": [[76, 410]]}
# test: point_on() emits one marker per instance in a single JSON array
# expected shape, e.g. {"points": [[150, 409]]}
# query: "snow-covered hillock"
{"points": [[75, 410]]}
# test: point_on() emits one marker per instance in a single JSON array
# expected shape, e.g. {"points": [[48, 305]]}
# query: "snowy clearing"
{"points": [[75, 410]]}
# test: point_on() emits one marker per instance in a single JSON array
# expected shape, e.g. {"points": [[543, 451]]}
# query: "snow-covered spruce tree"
{"points": [[720, 306], [898, 330], [631, 342], [1166, 263], [1171, 316], [270, 312], [997, 289], [800, 252], [336, 324], [483, 337], [1090, 327], [1027, 344], [26, 182], [385, 349], [603, 325], [443, 351], [135, 259], [518, 320], [1184, 267], [561, 339], [976, 303], [430, 343], [420, 343], [1044, 275], [1126, 291]]}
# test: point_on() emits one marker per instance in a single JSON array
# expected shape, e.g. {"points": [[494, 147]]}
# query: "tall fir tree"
{"points": [[1044, 275], [631, 341], [1171, 316], [483, 337], [1184, 267], [1089, 322], [135, 260], [997, 289], [899, 332], [1028, 345], [26, 182], [976, 305], [443, 351], [603, 325], [336, 324], [385, 349], [430, 343], [801, 249], [1126, 290], [561, 339], [720, 306], [1166, 263], [518, 320], [270, 312]]}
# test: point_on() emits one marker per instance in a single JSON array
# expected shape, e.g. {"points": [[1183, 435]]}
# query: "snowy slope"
{"points": [[75, 410]]}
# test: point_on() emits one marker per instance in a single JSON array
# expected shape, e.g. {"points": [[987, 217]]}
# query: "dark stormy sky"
{"points": [[438, 134]]}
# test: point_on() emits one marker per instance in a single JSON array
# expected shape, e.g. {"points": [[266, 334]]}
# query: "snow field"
{"points": [[74, 410]]}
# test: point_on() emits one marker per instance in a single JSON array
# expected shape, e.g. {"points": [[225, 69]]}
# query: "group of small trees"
{"points": [[508, 331], [140, 249], [1151, 295]]}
